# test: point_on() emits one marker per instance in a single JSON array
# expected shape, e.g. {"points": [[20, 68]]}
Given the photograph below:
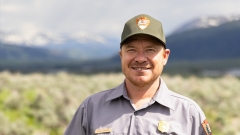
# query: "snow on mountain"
{"points": [[30, 39], [45, 38], [206, 22]]}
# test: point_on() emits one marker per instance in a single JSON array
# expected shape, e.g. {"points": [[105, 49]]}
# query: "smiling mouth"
{"points": [[140, 68]]}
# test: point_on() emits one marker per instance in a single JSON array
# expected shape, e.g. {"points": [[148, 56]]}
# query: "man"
{"points": [[142, 104]]}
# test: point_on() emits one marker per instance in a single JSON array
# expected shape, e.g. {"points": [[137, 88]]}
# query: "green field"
{"points": [[43, 104]]}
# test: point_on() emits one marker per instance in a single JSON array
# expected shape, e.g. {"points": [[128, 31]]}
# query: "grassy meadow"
{"points": [[44, 104]]}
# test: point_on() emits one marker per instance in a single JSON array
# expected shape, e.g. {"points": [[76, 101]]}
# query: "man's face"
{"points": [[143, 59]]}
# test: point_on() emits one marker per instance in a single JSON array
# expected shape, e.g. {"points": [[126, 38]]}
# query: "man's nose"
{"points": [[140, 57]]}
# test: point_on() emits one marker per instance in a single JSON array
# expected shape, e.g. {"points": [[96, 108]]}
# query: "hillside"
{"points": [[30, 59], [85, 51], [22, 53], [213, 43]]}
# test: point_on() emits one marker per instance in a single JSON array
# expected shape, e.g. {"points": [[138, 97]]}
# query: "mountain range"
{"points": [[221, 42], [206, 22], [202, 39]]}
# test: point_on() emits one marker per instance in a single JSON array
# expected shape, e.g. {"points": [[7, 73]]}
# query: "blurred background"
{"points": [[53, 54]]}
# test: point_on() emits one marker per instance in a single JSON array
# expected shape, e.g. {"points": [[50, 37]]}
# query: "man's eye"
{"points": [[150, 50]]}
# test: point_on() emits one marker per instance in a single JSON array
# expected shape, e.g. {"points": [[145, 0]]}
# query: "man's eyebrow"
{"points": [[129, 46]]}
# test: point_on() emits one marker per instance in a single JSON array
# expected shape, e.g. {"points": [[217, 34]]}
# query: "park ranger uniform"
{"points": [[111, 112]]}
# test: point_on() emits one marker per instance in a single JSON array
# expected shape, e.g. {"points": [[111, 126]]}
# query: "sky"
{"points": [[43, 22]]}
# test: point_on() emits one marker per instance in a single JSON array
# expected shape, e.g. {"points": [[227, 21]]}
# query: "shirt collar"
{"points": [[162, 96], [118, 92]]}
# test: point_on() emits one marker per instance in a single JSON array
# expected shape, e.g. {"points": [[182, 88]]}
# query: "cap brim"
{"points": [[141, 34]]}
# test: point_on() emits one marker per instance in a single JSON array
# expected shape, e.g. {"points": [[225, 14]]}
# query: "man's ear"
{"points": [[165, 56], [120, 53]]}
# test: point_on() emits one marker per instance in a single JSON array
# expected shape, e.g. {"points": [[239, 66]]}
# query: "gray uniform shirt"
{"points": [[111, 112]]}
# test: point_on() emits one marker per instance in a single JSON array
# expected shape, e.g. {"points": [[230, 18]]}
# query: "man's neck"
{"points": [[142, 95]]}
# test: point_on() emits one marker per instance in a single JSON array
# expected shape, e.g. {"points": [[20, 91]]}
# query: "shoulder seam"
{"points": [[190, 101]]}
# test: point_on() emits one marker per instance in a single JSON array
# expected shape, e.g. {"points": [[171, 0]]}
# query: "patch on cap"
{"points": [[142, 22], [206, 127]]}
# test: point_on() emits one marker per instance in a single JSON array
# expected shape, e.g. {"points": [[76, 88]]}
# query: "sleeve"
{"points": [[78, 125], [197, 122]]}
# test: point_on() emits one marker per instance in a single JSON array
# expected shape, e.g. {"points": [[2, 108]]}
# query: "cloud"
{"points": [[53, 21], [31, 34]]}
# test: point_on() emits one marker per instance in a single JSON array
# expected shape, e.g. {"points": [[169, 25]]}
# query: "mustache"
{"points": [[135, 64]]}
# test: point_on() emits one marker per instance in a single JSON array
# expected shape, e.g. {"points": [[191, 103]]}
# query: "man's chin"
{"points": [[140, 82]]}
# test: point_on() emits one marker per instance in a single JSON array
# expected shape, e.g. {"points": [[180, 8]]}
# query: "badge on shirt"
{"points": [[206, 127], [103, 130], [163, 126]]}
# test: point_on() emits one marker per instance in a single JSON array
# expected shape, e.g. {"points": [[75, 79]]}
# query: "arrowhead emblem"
{"points": [[142, 22]]}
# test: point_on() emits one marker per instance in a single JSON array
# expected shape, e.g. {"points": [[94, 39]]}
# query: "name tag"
{"points": [[103, 130]]}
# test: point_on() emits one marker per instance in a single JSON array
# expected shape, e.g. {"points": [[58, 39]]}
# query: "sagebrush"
{"points": [[44, 104]]}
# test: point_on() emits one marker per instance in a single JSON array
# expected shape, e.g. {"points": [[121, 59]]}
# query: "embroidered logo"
{"points": [[163, 126], [142, 22], [206, 127]]}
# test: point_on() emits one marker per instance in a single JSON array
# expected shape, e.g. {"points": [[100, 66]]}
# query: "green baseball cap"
{"points": [[143, 24]]}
